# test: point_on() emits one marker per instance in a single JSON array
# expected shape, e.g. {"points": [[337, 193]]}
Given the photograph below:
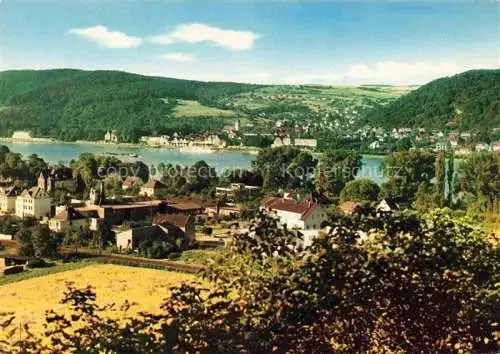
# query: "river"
{"points": [[65, 152]]}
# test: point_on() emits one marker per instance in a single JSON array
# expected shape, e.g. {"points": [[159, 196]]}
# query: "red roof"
{"points": [[304, 207], [174, 219], [349, 207], [69, 214]]}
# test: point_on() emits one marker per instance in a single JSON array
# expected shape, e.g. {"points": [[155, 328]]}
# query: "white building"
{"points": [[22, 135], [374, 145], [8, 199], [111, 137], [68, 218], [33, 202], [305, 216]]}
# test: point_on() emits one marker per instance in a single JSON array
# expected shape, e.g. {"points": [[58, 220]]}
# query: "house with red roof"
{"points": [[306, 215]]}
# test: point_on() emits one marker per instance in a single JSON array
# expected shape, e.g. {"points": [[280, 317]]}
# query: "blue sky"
{"points": [[271, 42]]}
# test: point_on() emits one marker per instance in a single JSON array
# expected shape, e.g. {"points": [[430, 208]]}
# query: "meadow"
{"points": [[187, 108], [29, 299]]}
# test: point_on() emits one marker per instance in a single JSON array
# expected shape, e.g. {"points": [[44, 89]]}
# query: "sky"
{"points": [[360, 42]]}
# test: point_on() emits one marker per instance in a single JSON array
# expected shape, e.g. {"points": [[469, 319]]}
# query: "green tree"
{"points": [[336, 168], [450, 172], [360, 189], [284, 168], [405, 171], [26, 247], [479, 177], [45, 242], [374, 283], [439, 184]]}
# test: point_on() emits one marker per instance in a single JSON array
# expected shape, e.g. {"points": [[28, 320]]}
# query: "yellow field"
{"points": [[186, 108], [29, 299]]}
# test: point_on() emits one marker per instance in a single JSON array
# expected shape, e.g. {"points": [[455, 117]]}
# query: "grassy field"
{"points": [[187, 108], [29, 299], [41, 272]]}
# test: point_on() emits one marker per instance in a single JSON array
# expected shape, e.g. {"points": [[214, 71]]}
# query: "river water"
{"points": [[64, 152]]}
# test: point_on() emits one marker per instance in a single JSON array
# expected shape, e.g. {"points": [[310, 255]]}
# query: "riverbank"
{"points": [[242, 149]]}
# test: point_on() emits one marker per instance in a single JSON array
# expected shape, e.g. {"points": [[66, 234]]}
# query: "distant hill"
{"points": [[74, 104], [470, 100], [20, 81]]}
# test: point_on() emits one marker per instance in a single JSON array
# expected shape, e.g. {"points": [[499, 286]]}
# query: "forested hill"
{"points": [[74, 104], [19, 81], [470, 100]]}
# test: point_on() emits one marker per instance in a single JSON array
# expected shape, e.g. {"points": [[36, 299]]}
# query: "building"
{"points": [[300, 143], [185, 223], [131, 239], [153, 189], [387, 205], [131, 182], [68, 218], [305, 143], [162, 140], [111, 137], [189, 205], [279, 142], [57, 178], [305, 216], [8, 198], [165, 228], [124, 211], [237, 192], [350, 207], [22, 135], [33, 202], [226, 211]]}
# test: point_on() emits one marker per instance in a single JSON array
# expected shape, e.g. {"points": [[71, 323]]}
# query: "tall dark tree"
{"points": [[450, 172], [439, 184]]}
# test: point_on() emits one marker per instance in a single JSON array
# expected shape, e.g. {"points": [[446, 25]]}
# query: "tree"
{"points": [[439, 184], [285, 167], [23, 236], [405, 171], [37, 241], [360, 189], [375, 283], [44, 242], [479, 177], [450, 172], [336, 168]]}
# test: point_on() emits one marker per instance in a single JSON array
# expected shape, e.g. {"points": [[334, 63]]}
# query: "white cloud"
{"points": [[106, 38], [179, 57], [393, 72], [313, 78], [198, 32]]}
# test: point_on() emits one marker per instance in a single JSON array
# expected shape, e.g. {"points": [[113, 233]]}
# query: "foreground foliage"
{"points": [[375, 283]]}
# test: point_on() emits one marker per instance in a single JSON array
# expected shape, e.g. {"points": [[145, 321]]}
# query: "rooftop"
{"points": [[304, 207]]}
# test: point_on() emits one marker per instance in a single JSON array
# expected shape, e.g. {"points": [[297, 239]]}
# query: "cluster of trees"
{"points": [[469, 100], [88, 168], [374, 283], [37, 240], [22, 172], [74, 104], [285, 168], [197, 178], [337, 167]]}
